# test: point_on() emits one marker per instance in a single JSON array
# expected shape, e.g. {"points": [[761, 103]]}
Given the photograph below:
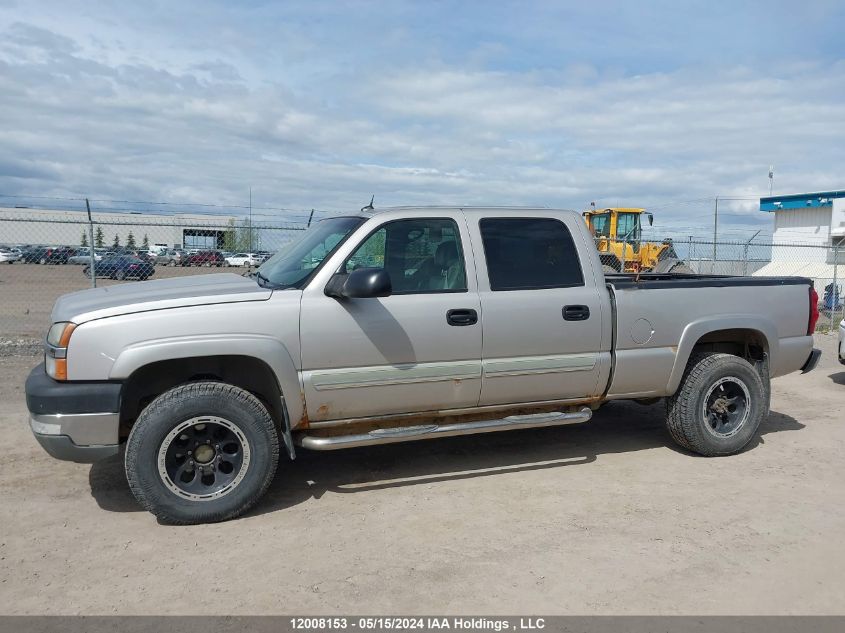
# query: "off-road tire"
{"points": [[685, 410], [169, 410]]}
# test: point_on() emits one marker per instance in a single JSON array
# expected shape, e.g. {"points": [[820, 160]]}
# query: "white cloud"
{"points": [[201, 112]]}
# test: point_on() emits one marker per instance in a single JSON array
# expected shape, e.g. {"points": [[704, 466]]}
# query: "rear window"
{"points": [[529, 253]]}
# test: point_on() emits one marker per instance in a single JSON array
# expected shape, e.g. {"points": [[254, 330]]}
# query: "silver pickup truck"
{"points": [[396, 325]]}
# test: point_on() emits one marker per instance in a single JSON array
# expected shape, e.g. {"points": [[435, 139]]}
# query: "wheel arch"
{"points": [[259, 364], [748, 337]]}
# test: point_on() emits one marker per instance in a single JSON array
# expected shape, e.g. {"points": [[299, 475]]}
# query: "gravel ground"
{"points": [[608, 517], [30, 290]]}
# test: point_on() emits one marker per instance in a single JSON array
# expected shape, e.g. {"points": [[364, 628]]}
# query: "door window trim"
{"points": [[461, 253]]}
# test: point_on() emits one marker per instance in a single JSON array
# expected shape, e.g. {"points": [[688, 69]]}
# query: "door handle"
{"points": [[462, 316], [576, 313]]}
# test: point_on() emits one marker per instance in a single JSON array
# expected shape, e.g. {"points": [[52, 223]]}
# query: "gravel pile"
{"points": [[20, 347]]}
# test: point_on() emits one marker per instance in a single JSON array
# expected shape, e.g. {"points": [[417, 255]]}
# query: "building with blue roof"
{"points": [[808, 237]]}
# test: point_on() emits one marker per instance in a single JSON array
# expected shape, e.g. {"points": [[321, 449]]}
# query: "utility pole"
{"points": [[715, 228], [250, 219], [771, 178]]}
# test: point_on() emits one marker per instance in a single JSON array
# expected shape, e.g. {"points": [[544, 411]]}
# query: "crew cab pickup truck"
{"points": [[396, 325]]}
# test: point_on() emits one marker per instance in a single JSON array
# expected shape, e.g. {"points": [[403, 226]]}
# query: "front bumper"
{"points": [[812, 361], [74, 421]]}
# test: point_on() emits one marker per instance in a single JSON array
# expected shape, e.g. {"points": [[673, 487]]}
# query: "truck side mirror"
{"points": [[650, 219], [364, 283]]}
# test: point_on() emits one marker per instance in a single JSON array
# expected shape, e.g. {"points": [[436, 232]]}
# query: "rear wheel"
{"points": [[718, 406], [120, 275], [201, 452]]}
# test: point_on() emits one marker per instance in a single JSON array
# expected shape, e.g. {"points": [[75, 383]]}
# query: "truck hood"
{"points": [[161, 294]]}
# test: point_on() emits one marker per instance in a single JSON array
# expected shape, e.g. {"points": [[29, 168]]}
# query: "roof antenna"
{"points": [[370, 206]]}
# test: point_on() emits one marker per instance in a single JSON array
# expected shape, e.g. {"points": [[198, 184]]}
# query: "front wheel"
{"points": [[718, 406], [201, 452]]}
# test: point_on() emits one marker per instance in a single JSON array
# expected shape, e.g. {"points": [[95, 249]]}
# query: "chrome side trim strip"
{"points": [[327, 379], [528, 365], [431, 431]]}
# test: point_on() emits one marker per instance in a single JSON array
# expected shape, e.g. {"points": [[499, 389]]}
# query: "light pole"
{"points": [[715, 231]]}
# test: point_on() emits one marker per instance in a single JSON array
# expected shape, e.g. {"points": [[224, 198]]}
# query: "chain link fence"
{"points": [[823, 263], [44, 254]]}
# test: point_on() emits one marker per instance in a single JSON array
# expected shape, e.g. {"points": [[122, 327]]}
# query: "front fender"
{"points": [[265, 348], [695, 330]]}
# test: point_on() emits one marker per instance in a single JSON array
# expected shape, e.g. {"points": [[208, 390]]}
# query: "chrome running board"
{"points": [[432, 431]]}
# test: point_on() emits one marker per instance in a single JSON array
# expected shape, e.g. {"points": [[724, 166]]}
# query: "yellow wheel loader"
{"points": [[618, 237]]}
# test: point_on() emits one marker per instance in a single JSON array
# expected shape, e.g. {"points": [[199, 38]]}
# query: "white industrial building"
{"points": [[58, 227], [809, 236]]}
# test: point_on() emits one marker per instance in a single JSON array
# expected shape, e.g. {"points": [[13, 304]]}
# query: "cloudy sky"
{"points": [[321, 104]]}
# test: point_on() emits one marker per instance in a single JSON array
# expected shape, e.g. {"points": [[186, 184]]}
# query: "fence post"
{"points": [[834, 294], [93, 267], [624, 248]]}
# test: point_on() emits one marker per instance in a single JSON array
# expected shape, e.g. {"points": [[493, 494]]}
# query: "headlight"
{"points": [[58, 338], [59, 334]]}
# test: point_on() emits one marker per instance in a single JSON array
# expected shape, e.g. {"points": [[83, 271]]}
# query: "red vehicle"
{"points": [[205, 258]]}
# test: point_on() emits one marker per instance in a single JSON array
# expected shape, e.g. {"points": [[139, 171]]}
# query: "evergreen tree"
{"points": [[146, 243], [99, 238], [84, 240], [116, 242], [130, 241]]}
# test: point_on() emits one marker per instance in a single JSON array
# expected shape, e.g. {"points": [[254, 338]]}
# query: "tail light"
{"points": [[814, 311]]}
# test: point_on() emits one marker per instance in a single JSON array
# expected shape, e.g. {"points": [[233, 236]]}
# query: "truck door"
{"points": [[418, 349], [546, 320]]}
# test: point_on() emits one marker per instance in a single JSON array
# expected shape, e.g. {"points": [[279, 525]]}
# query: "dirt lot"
{"points": [[607, 517], [29, 291]]}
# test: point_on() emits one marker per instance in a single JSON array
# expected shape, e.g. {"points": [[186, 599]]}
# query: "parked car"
{"points": [[32, 254], [83, 256], [48, 254], [205, 258], [842, 342], [243, 259], [457, 321], [170, 257], [121, 267], [9, 255]]}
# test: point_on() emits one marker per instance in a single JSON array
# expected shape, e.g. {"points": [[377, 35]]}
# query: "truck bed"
{"points": [[654, 332]]}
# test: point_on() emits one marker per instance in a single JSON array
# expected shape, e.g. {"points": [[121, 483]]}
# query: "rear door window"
{"points": [[529, 253]]}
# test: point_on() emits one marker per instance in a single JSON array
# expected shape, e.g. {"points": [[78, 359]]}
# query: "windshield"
{"points": [[297, 260], [600, 225]]}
